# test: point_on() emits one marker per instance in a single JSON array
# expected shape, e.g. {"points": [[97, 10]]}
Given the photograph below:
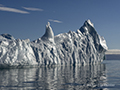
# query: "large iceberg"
{"points": [[85, 46]]}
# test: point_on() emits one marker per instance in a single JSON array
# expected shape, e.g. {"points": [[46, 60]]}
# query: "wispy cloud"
{"points": [[32, 9], [2, 8], [1, 5], [57, 21]]}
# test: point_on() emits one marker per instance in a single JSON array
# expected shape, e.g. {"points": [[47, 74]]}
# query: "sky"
{"points": [[26, 19]]}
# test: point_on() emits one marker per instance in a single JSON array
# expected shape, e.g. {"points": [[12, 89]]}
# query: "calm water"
{"points": [[105, 76]]}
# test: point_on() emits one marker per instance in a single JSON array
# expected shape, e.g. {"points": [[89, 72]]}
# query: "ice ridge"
{"points": [[85, 46]]}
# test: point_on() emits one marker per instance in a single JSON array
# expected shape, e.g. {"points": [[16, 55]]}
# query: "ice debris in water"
{"points": [[82, 47]]}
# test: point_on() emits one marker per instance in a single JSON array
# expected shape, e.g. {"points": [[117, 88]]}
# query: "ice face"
{"points": [[82, 47], [16, 52], [88, 21], [49, 35]]}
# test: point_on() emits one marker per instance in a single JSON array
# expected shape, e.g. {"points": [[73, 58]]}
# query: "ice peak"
{"points": [[49, 33], [48, 24], [90, 23]]}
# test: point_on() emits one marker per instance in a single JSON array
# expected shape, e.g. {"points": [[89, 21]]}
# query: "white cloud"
{"points": [[12, 10], [32, 9], [57, 21]]}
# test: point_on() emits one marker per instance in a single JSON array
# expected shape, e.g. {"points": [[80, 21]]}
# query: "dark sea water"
{"points": [[113, 57], [104, 76]]}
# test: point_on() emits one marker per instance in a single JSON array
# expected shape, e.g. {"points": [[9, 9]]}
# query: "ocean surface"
{"points": [[104, 76]]}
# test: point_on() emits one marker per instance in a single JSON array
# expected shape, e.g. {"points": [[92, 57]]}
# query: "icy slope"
{"points": [[15, 52], [82, 47]]}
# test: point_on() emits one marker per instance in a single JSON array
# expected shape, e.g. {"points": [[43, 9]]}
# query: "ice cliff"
{"points": [[82, 47]]}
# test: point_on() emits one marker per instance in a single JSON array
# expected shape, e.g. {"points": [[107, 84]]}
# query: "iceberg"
{"points": [[85, 46]]}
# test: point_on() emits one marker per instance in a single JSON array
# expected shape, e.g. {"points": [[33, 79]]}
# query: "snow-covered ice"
{"points": [[85, 46]]}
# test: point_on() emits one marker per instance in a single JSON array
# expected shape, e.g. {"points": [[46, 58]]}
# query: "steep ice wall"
{"points": [[82, 47], [15, 52]]}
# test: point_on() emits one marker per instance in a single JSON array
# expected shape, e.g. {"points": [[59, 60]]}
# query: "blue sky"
{"points": [[27, 18]]}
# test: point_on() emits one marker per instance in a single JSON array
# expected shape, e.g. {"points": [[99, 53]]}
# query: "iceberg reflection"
{"points": [[55, 78]]}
